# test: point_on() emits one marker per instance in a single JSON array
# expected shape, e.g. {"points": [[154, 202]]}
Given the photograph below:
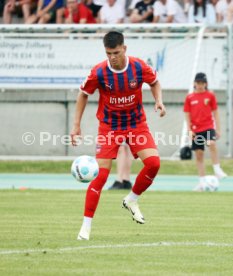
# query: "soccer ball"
{"points": [[84, 168], [211, 183]]}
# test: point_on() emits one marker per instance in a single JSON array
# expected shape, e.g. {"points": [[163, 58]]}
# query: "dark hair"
{"points": [[203, 5], [201, 77], [113, 39]]}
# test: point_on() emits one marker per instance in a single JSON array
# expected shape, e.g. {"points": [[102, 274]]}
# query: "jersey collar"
{"points": [[119, 71]]}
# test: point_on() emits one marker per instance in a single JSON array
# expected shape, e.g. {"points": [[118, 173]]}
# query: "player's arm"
{"points": [[79, 109], [156, 19], [23, 2], [157, 94], [39, 6], [170, 18], [219, 18], [217, 123], [214, 107], [48, 7], [10, 5], [188, 122]]}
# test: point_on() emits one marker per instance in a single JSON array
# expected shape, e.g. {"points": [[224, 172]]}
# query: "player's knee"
{"points": [[102, 175], [211, 143], [100, 180], [152, 164]]}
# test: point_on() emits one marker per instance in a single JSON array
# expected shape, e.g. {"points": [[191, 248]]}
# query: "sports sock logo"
{"points": [[150, 178], [94, 190]]}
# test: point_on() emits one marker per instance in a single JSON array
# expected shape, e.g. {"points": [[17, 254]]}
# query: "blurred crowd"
{"points": [[117, 11]]}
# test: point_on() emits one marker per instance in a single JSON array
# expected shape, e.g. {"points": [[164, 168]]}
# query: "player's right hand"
{"points": [[191, 134], [75, 135], [218, 134]]}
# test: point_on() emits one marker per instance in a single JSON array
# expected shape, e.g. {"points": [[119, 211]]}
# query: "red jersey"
{"points": [[200, 107], [120, 102], [82, 12]]}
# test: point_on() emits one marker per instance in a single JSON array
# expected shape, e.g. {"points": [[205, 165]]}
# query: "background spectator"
{"points": [[143, 12], [59, 11], [168, 11], [213, 2], [202, 117], [230, 13], [46, 12], [93, 7], [221, 10], [112, 12], [2, 4], [20, 8], [124, 163], [201, 12], [186, 5], [78, 13]]}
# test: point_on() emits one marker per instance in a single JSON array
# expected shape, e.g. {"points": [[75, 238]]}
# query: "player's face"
{"points": [[200, 86], [116, 57], [71, 4]]}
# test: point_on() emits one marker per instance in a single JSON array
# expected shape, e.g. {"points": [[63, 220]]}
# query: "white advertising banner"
{"points": [[64, 62]]}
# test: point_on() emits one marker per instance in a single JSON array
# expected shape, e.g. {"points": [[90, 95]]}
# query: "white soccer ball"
{"points": [[211, 183], [84, 168]]}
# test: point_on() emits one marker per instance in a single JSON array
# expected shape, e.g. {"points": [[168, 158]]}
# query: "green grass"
{"points": [[167, 167], [43, 220]]}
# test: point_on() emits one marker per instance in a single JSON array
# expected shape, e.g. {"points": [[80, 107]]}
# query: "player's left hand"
{"points": [[162, 109]]}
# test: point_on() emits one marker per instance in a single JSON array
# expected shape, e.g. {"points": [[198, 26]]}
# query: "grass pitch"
{"points": [[184, 234], [177, 167]]}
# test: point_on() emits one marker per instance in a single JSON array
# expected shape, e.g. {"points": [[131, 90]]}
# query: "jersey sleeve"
{"points": [[90, 84], [186, 105], [214, 104], [149, 75]]}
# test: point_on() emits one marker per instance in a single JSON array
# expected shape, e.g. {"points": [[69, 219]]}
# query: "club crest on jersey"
{"points": [[206, 101], [133, 83]]}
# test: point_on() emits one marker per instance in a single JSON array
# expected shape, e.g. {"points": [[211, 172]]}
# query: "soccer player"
{"points": [[121, 118], [202, 117]]}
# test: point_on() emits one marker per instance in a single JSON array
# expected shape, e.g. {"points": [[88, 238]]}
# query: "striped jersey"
{"points": [[120, 101]]}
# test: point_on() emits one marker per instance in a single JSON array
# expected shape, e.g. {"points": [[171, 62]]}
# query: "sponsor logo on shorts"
{"points": [[98, 148]]}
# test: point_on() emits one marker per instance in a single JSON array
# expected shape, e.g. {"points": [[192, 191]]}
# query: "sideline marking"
{"points": [[156, 244]]}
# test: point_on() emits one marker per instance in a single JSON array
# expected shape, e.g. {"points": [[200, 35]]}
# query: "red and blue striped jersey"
{"points": [[120, 102]]}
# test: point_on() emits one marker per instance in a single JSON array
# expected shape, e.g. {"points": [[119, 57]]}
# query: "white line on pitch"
{"points": [[156, 244]]}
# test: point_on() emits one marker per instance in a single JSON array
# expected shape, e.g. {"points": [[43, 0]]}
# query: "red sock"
{"points": [[94, 191], [147, 174]]}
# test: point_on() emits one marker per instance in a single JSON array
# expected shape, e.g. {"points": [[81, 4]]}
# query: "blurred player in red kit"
{"points": [[121, 118], [203, 123]]}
